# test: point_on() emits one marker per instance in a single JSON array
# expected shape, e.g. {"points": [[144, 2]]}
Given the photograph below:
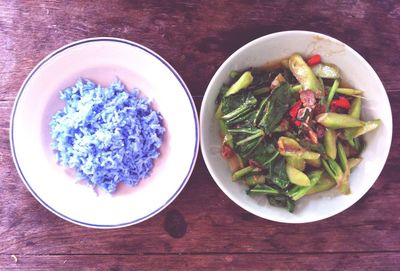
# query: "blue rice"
{"points": [[108, 135]]}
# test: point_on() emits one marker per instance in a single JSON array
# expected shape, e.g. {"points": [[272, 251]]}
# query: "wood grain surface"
{"points": [[202, 229]]}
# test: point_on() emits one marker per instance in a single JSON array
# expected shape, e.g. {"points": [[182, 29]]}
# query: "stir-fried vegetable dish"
{"points": [[291, 131]]}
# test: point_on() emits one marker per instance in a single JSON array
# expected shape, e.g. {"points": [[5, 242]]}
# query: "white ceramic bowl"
{"points": [[355, 70], [102, 60]]}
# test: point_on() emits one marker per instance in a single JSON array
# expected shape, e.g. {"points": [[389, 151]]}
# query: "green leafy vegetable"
{"points": [[276, 106], [264, 189], [249, 103], [282, 201], [277, 173], [264, 154], [276, 133]]}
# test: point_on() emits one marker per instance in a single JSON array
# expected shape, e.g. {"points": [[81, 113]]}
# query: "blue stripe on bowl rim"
{"points": [[166, 64]]}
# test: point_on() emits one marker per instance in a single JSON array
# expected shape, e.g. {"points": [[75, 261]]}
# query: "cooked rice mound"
{"points": [[108, 135]]}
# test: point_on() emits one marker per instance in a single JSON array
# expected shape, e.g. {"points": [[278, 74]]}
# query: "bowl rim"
{"points": [[162, 62], [209, 90]]}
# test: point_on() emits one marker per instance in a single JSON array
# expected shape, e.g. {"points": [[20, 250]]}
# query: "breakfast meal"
{"points": [[107, 134], [292, 130]]}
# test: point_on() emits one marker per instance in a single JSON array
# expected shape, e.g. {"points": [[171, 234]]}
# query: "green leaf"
{"points": [[281, 201], [230, 103], [241, 110], [278, 173], [263, 153], [276, 107]]}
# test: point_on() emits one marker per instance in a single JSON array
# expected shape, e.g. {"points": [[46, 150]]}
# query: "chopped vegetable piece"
{"points": [[255, 180], [300, 191], [264, 189], [332, 92], [296, 176], [330, 143], [338, 121], [328, 71], [367, 127], [353, 162], [313, 60], [355, 110], [314, 162], [243, 82], [341, 102], [235, 162], [343, 183], [290, 147], [296, 162], [295, 109], [333, 170], [296, 88], [278, 80], [242, 172], [304, 74], [325, 183], [256, 135], [349, 91], [226, 151]]}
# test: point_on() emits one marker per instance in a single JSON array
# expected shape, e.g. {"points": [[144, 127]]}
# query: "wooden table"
{"points": [[202, 229]]}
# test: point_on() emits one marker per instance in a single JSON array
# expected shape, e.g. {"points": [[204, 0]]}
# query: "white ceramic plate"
{"points": [[102, 60], [355, 70]]}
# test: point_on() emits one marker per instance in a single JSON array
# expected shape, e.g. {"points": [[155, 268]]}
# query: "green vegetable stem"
{"points": [[330, 143], [325, 183], [296, 176], [290, 147], [332, 92], [264, 189], [349, 92], [328, 71], [338, 121], [343, 183], [304, 74], [300, 191], [243, 82]]}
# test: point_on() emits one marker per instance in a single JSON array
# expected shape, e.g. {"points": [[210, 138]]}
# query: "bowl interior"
{"points": [[102, 61], [355, 71]]}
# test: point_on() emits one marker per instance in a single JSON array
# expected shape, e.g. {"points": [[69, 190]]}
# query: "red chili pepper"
{"points": [[226, 151], [294, 109], [313, 60], [341, 102], [298, 123]]}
